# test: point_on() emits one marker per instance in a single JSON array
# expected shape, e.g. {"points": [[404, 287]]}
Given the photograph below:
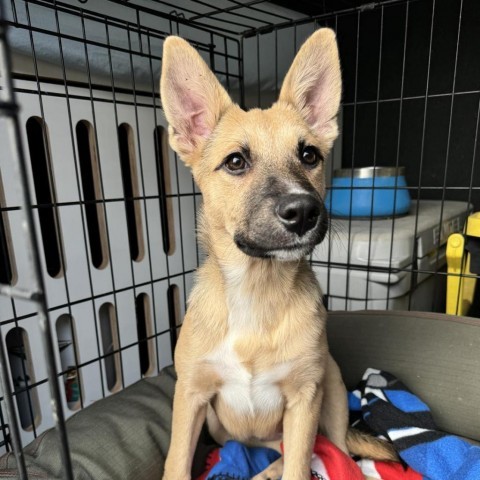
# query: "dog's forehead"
{"points": [[276, 130]]}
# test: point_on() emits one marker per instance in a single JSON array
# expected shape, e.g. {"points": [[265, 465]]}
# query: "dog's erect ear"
{"points": [[313, 84], [192, 98]]}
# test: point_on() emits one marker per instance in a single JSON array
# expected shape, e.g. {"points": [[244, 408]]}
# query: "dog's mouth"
{"points": [[280, 252]]}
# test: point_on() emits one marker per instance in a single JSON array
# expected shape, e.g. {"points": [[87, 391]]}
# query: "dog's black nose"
{"points": [[298, 212]]}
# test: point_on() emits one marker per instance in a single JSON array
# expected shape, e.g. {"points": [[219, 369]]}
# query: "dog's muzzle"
{"points": [[284, 226]]}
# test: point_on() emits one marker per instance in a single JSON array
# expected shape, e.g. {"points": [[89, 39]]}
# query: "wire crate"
{"points": [[98, 216]]}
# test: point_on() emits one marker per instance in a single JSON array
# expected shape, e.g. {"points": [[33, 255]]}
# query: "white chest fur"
{"points": [[243, 391]]}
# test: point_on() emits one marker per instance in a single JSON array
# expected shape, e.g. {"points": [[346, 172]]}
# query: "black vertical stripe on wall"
{"points": [[23, 377], [158, 139], [6, 268], [130, 189], [173, 313], [93, 210], [142, 332], [39, 148], [110, 346]]}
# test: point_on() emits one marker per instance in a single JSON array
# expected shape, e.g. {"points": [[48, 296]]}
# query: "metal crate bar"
{"points": [[37, 293]]}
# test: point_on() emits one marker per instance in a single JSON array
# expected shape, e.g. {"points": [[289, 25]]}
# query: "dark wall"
{"points": [[416, 120]]}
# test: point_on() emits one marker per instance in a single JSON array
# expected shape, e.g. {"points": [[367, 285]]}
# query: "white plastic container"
{"points": [[389, 263]]}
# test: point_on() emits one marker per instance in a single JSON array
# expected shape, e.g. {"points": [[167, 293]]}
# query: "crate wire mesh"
{"points": [[35, 295], [99, 215]]}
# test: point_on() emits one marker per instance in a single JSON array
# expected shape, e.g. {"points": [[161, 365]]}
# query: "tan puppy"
{"points": [[252, 356]]}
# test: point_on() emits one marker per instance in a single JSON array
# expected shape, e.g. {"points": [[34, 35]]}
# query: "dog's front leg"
{"points": [[189, 412], [300, 425]]}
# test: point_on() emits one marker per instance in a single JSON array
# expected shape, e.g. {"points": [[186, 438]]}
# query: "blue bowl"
{"points": [[368, 192]]}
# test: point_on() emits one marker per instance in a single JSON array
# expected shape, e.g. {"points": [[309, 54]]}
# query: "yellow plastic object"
{"points": [[461, 288]]}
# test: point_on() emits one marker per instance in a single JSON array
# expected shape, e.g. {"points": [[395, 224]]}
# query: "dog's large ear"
{"points": [[192, 98], [313, 85]]}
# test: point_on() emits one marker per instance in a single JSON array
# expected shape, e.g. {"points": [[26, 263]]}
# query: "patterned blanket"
{"points": [[390, 411]]}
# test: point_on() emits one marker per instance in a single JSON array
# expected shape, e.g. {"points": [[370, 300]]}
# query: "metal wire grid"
{"points": [[359, 22], [218, 49], [139, 98], [419, 191], [259, 36], [8, 107]]}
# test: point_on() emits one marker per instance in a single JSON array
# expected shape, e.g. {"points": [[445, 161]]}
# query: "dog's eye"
{"points": [[310, 156], [235, 163]]}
